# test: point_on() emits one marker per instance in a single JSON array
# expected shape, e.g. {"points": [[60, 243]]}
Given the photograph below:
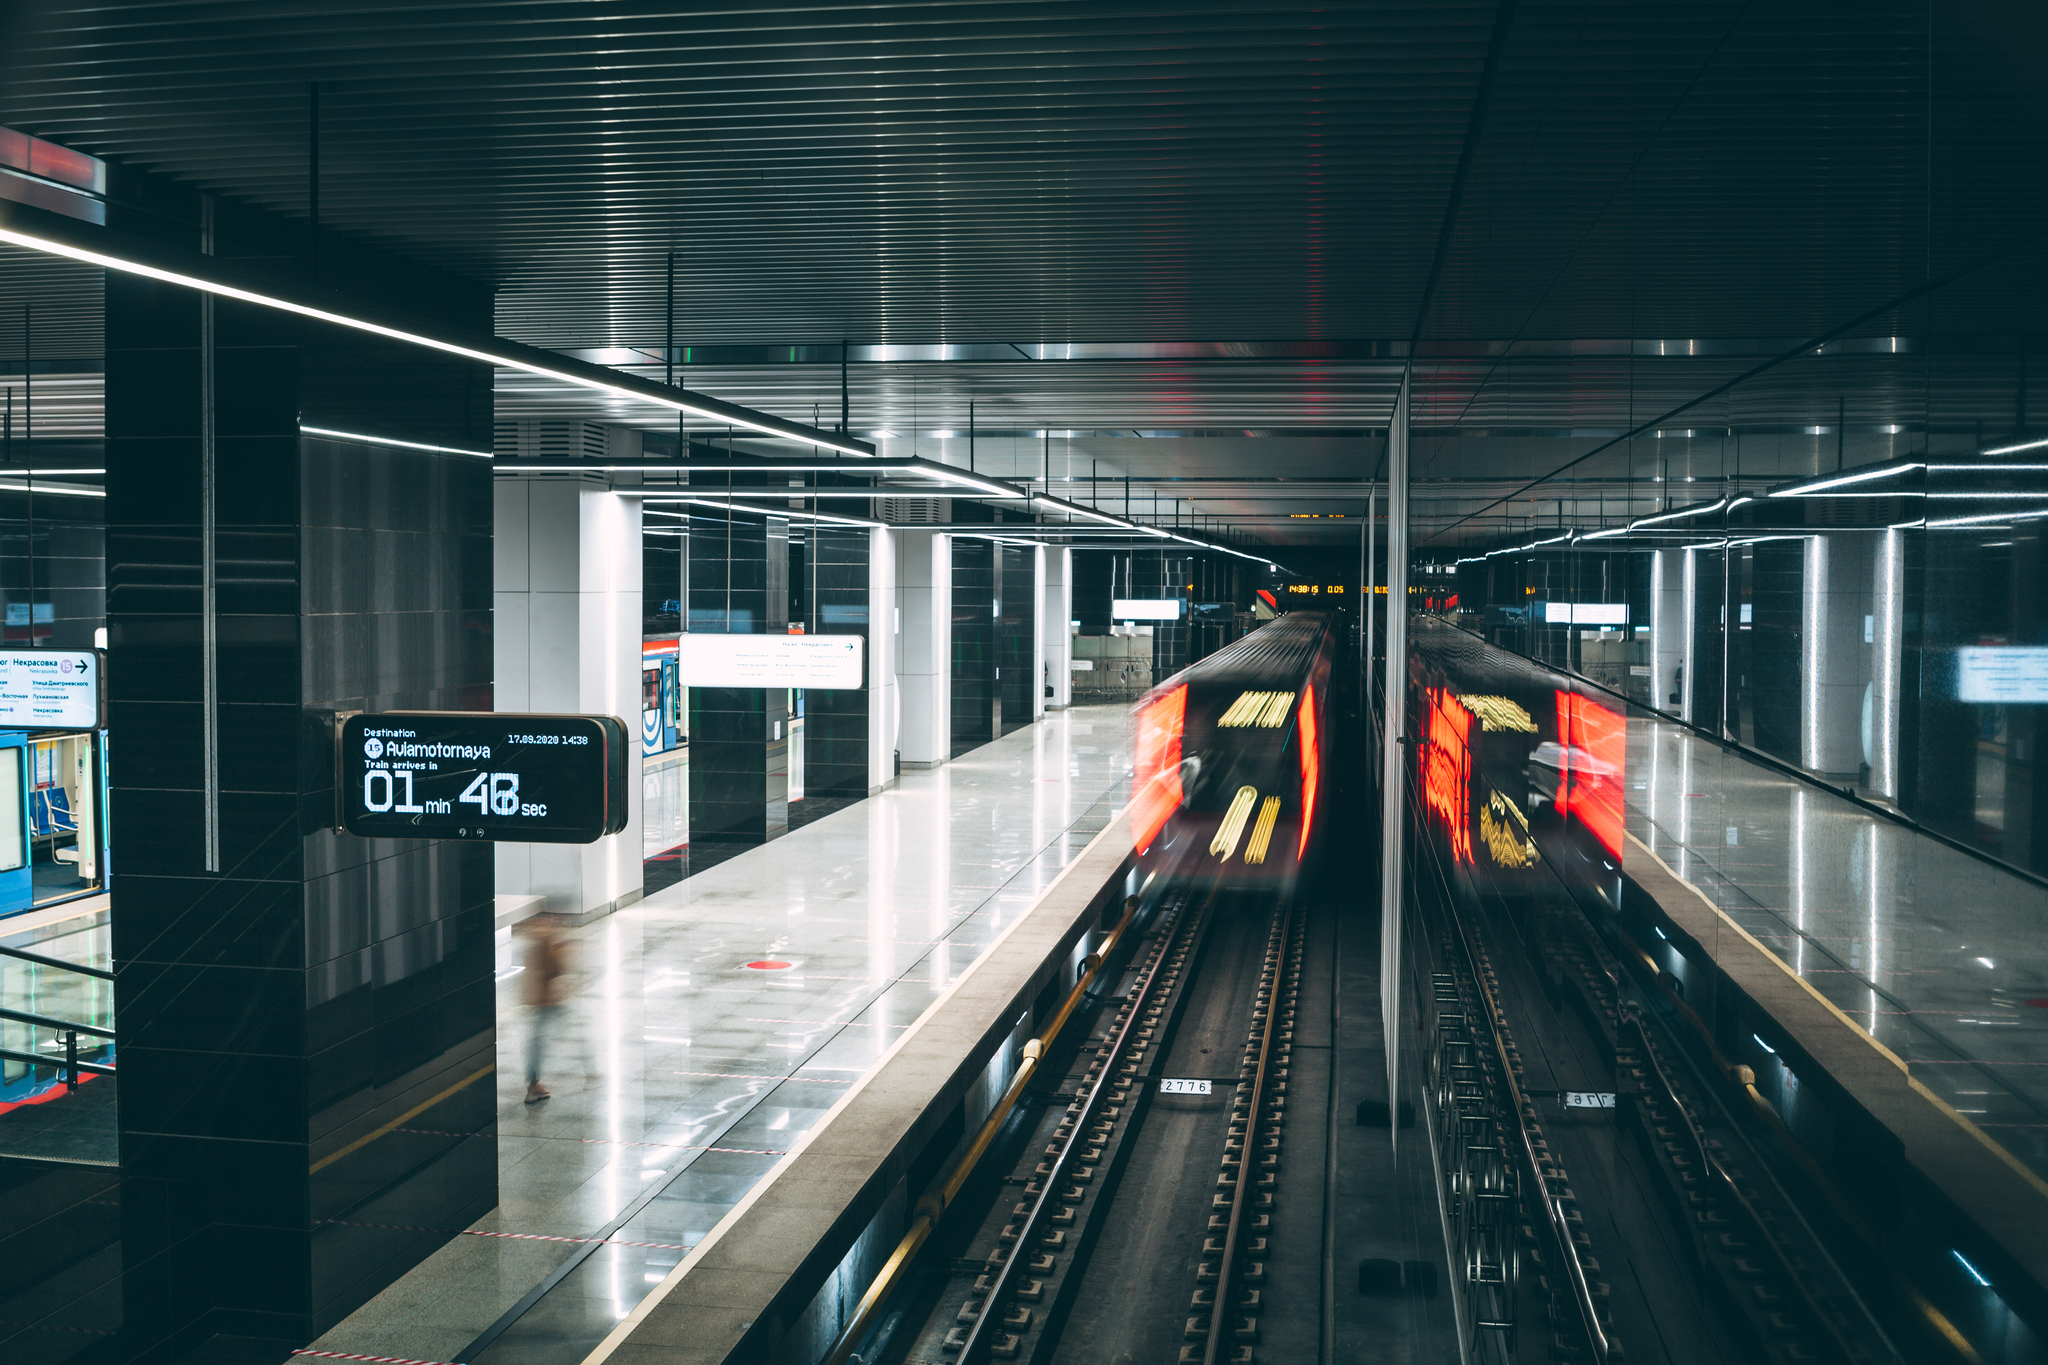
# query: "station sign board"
{"points": [[506, 777], [823, 663], [2002, 674], [52, 689], [1145, 609]]}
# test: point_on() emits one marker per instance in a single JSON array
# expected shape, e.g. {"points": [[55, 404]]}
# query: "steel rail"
{"points": [[1711, 1163], [988, 1322], [1553, 1207], [931, 1209], [1227, 1273]]}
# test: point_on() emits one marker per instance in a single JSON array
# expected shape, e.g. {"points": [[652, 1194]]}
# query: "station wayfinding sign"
{"points": [[51, 689], [816, 662], [501, 776]]}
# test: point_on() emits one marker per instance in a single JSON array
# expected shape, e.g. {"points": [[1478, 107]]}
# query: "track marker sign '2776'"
{"points": [[501, 776]]}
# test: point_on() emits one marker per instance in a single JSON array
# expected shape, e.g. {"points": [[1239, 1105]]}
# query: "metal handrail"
{"points": [[1711, 1163], [58, 963], [57, 1025], [69, 1063]]}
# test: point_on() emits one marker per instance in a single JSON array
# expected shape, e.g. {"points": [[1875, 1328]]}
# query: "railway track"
{"points": [[1200, 1190]]}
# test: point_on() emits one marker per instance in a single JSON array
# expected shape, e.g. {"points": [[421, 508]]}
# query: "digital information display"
{"points": [[50, 689], [1145, 608], [824, 663], [1993, 674], [499, 776]]}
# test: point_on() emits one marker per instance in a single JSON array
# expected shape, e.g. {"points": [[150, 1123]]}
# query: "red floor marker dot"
{"points": [[770, 966]]}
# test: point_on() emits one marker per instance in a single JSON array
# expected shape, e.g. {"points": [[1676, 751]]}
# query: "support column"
{"points": [[1394, 747], [1055, 629], [307, 1038], [1835, 662], [1667, 628], [566, 573], [924, 673], [1888, 597], [885, 648]]}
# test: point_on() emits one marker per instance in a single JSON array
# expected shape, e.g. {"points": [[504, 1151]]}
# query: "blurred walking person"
{"points": [[546, 963]]}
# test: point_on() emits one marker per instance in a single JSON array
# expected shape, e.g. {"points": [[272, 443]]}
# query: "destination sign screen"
{"points": [[499, 776]]}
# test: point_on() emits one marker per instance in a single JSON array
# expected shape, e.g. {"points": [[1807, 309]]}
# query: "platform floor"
{"points": [[1940, 956], [681, 1072]]}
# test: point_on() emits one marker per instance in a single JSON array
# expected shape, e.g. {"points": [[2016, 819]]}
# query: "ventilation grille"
{"points": [[914, 511], [549, 440]]}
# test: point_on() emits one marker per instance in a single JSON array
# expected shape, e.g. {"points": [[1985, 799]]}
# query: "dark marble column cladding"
{"points": [[400, 1005], [974, 643], [836, 723], [278, 1016], [1096, 573], [739, 748], [1016, 636]]}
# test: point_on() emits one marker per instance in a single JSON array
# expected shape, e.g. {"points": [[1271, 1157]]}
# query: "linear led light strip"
{"points": [[1683, 514], [790, 513], [54, 490], [390, 441], [1800, 490], [944, 473], [504, 357]]}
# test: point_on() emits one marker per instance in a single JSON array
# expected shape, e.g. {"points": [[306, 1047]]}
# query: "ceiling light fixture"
{"points": [[39, 230], [390, 441], [2016, 449], [790, 513], [1800, 490]]}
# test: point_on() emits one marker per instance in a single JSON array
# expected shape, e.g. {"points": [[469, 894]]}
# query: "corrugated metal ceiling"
{"points": [[1146, 173]]}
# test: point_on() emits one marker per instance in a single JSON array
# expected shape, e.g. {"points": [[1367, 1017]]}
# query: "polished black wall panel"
{"points": [[1018, 680], [974, 698], [279, 1010], [738, 583], [836, 722]]}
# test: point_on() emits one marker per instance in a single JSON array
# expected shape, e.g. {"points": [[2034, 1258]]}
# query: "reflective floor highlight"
{"points": [[714, 1022]]}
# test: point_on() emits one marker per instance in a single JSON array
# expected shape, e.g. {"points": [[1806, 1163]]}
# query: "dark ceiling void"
{"points": [[1164, 232]]}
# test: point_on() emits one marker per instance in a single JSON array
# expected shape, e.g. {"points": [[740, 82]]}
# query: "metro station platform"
{"points": [[711, 1024], [1935, 954]]}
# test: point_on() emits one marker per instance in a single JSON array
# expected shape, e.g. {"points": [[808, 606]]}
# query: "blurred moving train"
{"points": [[1520, 770], [1230, 757]]}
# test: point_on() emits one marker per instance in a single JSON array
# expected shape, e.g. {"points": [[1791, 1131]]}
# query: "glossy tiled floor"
{"points": [[680, 1073], [1939, 955]]}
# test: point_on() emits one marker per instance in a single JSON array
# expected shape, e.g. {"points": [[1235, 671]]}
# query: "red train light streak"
{"points": [[1311, 765], [1156, 792], [1447, 769]]}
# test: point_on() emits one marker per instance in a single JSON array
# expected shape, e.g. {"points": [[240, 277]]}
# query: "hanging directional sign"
{"points": [[51, 689], [501, 776]]}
